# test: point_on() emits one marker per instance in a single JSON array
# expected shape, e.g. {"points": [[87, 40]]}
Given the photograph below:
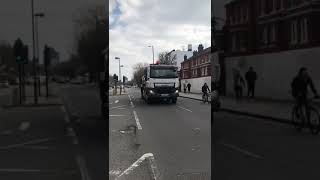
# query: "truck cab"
{"points": [[160, 82]]}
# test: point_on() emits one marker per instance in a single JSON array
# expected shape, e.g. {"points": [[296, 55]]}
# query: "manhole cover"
{"points": [[193, 176]]}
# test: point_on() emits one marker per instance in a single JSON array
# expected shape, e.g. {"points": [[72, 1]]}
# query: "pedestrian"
{"points": [[184, 87], [251, 77], [189, 87], [238, 84]]}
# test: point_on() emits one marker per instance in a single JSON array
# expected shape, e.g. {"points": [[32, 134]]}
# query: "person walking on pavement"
{"points": [[184, 87], [238, 84], [189, 87], [251, 77]]}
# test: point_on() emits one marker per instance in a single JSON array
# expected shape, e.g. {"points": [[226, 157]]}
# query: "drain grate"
{"points": [[193, 176]]}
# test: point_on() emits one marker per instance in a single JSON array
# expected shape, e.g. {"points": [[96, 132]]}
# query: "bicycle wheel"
{"points": [[297, 118], [314, 121]]}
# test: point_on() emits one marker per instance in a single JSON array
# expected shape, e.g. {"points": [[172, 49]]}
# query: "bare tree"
{"points": [[167, 58], [138, 72], [92, 39]]}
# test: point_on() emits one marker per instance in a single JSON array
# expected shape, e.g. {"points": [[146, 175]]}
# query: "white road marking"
{"points": [[73, 135], [83, 168], [137, 120], [242, 150], [117, 107], [7, 132], [66, 119], [114, 172], [115, 115], [21, 170], [24, 126], [122, 108], [36, 147], [116, 101], [184, 108], [63, 109], [147, 156], [26, 143]]}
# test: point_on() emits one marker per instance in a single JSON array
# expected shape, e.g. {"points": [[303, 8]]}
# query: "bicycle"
{"points": [[205, 98], [300, 117]]}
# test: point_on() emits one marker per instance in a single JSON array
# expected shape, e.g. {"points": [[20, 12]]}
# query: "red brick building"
{"points": [[260, 26], [197, 65]]}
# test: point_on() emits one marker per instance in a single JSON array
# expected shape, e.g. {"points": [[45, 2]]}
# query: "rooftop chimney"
{"points": [[185, 57], [200, 48]]}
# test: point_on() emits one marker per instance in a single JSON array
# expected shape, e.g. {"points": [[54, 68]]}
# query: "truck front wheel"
{"points": [[174, 100]]}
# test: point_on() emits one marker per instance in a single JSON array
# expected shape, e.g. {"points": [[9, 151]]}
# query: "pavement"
{"points": [[175, 136], [267, 109]]}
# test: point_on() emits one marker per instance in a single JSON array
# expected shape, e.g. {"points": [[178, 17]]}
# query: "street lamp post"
{"points": [[38, 15], [33, 55], [119, 73], [152, 53]]}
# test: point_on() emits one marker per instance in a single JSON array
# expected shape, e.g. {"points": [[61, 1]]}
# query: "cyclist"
{"points": [[299, 87], [205, 90]]}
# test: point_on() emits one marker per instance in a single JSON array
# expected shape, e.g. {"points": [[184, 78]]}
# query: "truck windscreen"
{"points": [[163, 73]]}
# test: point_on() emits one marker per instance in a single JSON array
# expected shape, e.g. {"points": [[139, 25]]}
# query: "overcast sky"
{"points": [[165, 24], [56, 29], [219, 10]]}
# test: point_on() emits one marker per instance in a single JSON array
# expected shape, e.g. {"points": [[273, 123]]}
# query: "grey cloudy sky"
{"points": [[165, 24], [56, 29], [218, 9]]}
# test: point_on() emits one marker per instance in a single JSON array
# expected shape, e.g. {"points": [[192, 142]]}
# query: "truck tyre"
{"points": [[174, 100], [148, 101]]}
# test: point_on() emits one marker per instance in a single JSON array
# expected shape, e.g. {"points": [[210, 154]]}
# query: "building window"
{"points": [[265, 35], [294, 32], [277, 4], [273, 33], [234, 42], [262, 7], [304, 30]]}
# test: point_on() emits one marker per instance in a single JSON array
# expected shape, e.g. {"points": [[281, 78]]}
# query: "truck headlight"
{"points": [[176, 91], [151, 92]]}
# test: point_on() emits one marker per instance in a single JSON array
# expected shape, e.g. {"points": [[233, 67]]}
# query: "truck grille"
{"points": [[164, 90]]}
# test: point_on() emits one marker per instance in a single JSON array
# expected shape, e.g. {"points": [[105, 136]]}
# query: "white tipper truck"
{"points": [[160, 82]]}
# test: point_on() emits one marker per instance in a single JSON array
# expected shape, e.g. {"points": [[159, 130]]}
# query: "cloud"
{"points": [[165, 24]]}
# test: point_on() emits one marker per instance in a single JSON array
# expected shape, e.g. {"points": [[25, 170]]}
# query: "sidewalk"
{"points": [[275, 110], [53, 99], [195, 96], [125, 92]]}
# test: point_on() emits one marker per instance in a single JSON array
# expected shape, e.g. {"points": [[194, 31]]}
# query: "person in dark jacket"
{"points": [[189, 87], [251, 77], [238, 83], [299, 86]]}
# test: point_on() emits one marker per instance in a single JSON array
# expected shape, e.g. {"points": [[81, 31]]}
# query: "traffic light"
{"points": [[47, 55], [18, 50]]}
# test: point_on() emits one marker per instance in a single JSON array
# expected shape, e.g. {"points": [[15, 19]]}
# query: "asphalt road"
{"points": [[251, 148], [178, 135], [83, 106], [34, 144]]}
